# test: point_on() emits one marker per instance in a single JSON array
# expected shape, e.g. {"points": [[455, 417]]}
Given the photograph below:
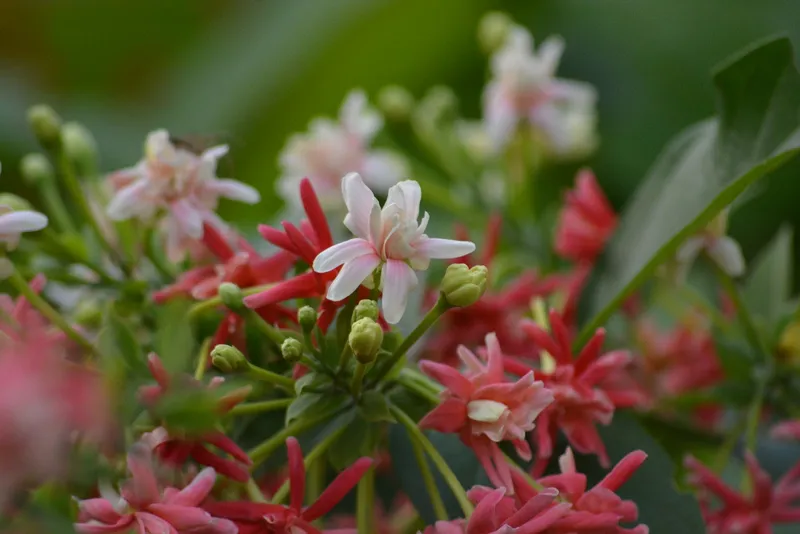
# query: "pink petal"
{"points": [[352, 275], [332, 257], [449, 417], [315, 214], [398, 281], [623, 470], [152, 524], [143, 481], [188, 217], [191, 519], [99, 510], [297, 474], [533, 507], [197, 490], [484, 519], [449, 377], [406, 195], [337, 489], [301, 286], [360, 204], [122, 525], [444, 249]]}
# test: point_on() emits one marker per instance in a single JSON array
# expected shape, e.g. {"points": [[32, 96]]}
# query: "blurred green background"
{"points": [[251, 72]]}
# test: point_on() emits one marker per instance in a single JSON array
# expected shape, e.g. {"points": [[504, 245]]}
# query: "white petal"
{"points": [[234, 190], [413, 195], [486, 411], [443, 249], [550, 52], [351, 276], [17, 222], [188, 218], [215, 152], [499, 116], [340, 253], [128, 201], [690, 249], [360, 202], [382, 169], [398, 280], [727, 253], [358, 117]]}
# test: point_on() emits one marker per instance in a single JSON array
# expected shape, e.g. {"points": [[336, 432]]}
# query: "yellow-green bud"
{"points": [[228, 359], [231, 296], [366, 337], [365, 309], [88, 313], [80, 146], [462, 286], [396, 102], [36, 168], [292, 350], [307, 317], [493, 30], [14, 202], [438, 103], [46, 125]]}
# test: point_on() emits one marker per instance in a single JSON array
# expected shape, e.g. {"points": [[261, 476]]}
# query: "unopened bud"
{"points": [[366, 337], [228, 359], [789, 343], [80, 146], [464, 286], [14, 202], [438, 105], [46, 125], [365, 309], [292, 350], [88, 313], [396, 102], [307, 317], [493, 30], [231, 296], [36, 168]]}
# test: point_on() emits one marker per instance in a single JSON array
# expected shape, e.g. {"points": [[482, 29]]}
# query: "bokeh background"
{"points": [[251, 72]]}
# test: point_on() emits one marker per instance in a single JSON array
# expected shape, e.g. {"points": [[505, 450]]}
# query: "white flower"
{"points": [[524, 88], [331, 149], [722, 249], [15, 222], [391, 238], [177, 183]]}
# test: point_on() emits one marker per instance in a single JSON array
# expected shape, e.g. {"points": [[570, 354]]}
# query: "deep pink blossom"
{"points": [[260, 518], [178, 449], [587, 220], [145, 507], [789, 430], [484, 408], [727, 511]]}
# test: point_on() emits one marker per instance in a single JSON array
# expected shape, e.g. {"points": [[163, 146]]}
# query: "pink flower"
{"points": [[258, 518], [331, 149], [485, 409], [20, 320], [148, 509], [178, 185], [524, 88], [391, 239], [587, 221], [177, 450], [726, 511], [580, 400], [789, 430]]}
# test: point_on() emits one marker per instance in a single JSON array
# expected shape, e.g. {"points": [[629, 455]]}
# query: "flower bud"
{"points": [[493, 30], [365, 309], [366, 337], [228, 359], [46, 125], [292, 350], [14, 202], [231, 296], [36, 168], [789, 342], [462, 286], [307, 317], [80, 146], [88, 313], [396, 102], [718, 226]]}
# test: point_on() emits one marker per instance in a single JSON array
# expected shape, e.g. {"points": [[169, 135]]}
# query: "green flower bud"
{"points": [[438, 104], [396, 102], [14, 202], [366, 337], [365, 309], [46, 125], [462, 286], [307, 317], [231, 296], [493, 30], [292, 350], [228, 359], [36, 168], [80, 146], [89, 314]]}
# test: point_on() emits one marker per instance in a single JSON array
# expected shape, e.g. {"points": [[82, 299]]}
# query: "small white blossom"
{"points": [[524, 88], [391, 238], [331, 149], [177, 184], [15, 222], [720, 248]]}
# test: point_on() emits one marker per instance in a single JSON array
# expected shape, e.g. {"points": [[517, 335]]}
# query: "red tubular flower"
{"points": [[497, 311], [145, 507], [485, 409], [726, 511], [259, 518], [306, 242], [177, 450], [581, 401], [586, 222]]}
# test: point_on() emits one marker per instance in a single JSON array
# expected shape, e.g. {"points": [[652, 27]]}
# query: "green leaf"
{"points": [[188, 409], [704, 170], [312, 382], [315, 403], [737, 358], [359, 440], [174, 341], [374, 407], [769, 283], [118, 342]]}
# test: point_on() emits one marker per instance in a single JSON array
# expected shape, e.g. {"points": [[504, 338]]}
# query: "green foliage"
{"points": [[314, 404], [358, 440], [769, 282], [174, 341]]}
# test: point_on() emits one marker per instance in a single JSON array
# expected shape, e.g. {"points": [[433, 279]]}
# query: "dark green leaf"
{"points": [[769, 283], [174, 341], [119, 343], [315, 403], [705, 169], [189, 410], [312, 382], [374, 407], [736, 358], [358, 440]]}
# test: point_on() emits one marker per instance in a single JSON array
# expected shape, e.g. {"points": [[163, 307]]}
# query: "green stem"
{"points": [[430, 318], [272, 333], [214, 302], [250, 408], [440, 463], [43, 307], [55, 241], [365, 499], [202, 359], [156, 258], [358, 379], [344, 359], [254, 492], [262, 451], [413, 383], [726, 449], [55, 206], [257, 373], [430, 483]]}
